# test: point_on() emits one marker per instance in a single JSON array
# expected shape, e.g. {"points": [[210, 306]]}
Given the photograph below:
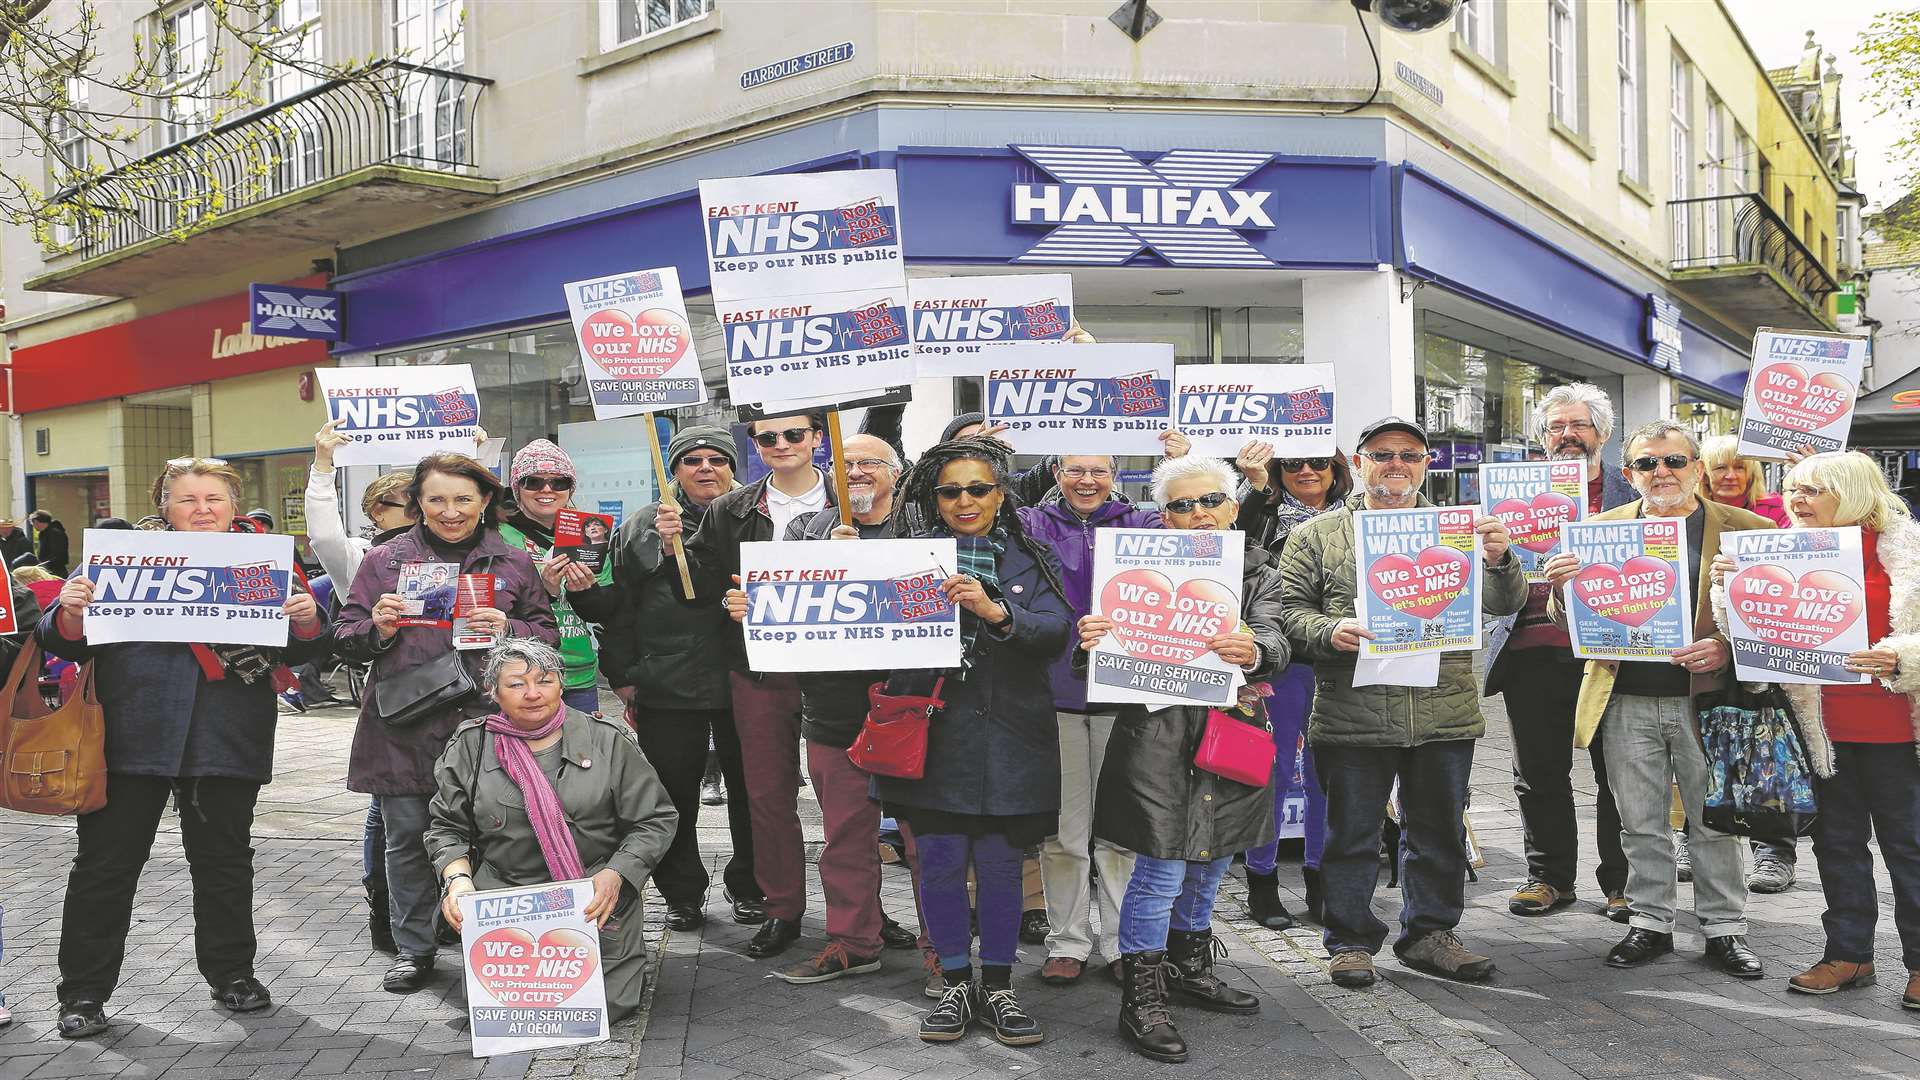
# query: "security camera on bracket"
{"points": [[1411, 16]]}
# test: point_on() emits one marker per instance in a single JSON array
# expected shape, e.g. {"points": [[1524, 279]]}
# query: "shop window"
{"points": [[1262, 335], [1188, 329]]}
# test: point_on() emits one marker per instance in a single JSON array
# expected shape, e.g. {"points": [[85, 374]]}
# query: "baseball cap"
{"points": [[1390, 423]]}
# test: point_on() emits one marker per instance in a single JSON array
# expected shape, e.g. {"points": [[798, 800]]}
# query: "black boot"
{"points": [[380, 922], [1145, 1021], [1263, 901], [1316, 901], [1190, 975]]}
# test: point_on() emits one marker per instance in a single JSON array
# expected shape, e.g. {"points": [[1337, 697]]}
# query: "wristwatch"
{"points": [[447, 885]]}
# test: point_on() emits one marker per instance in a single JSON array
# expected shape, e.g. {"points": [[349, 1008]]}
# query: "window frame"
{"points": [[610, 21], [182, 71], [1563, 64], [1630, 78], [1680, 151]]}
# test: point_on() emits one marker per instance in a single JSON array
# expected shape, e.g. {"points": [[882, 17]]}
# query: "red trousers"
{"points": [[850, 861]]}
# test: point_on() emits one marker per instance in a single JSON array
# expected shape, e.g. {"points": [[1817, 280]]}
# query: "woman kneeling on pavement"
{"points": [[1860, 738], [992, 784], [1184, 823], [194, 722], [541, 791]]}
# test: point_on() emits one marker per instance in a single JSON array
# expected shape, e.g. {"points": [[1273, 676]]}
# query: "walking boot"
{"points": [[1190, 975], [380, 922], [1145, 1021], [1263, 901]]}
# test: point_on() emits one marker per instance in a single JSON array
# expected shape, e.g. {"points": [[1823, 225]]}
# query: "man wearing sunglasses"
{"points": [[1366, 737], [1646, 712], [667, 660], [766, 707]]}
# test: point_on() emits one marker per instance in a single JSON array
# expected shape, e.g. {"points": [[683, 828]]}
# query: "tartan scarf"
{"points": [[548, 817], [978, 558]]}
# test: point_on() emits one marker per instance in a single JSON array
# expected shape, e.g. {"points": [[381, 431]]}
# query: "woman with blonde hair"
{"points": [[1861, 737], [1738, 481]]}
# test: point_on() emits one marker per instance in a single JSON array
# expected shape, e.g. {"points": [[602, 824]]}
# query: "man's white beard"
{"points": [[861, 501], [1383, 493], [1663, 503]]}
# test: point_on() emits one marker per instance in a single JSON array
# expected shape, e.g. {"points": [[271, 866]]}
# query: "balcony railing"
{"points": [[395, 114], [1742, 230]]}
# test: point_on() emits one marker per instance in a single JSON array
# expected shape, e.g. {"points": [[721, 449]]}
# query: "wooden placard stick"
{"points": [[667, 500], [839, 467]]}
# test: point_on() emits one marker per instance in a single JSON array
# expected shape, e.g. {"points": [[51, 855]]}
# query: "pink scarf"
{"points": [[543, 805]]}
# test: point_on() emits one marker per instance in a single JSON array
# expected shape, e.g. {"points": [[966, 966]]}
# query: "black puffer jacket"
{"points": [[1151, 800], [673, 653]]}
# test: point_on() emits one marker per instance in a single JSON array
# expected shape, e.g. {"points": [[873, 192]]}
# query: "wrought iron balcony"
{"points": [[1736, 254], [406, 130]]}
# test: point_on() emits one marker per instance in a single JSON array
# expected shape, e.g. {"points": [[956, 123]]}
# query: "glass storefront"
{"points": [[76, 500], [278, 483]]}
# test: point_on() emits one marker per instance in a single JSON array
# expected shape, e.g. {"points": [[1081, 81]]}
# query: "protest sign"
{"points": [[1082, 399], [1169, 592], [9, 618], [1801, 390], [839, 345], [1631, 598], [849, 605], [635, 343], [1221, 407], [534, 977], [398, 415], [959, 324], [1796, 604], [796, 233], [207, 588], [1534, 499], [1418, 581], [583, 537]]}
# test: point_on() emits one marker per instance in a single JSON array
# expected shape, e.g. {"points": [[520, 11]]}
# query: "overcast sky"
{"points": [[1778, 29]]}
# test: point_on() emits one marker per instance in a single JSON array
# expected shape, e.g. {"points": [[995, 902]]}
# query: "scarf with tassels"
{"points": [[543, 803], [979, 558]]}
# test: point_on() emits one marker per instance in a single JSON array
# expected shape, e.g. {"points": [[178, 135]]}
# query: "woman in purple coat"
{"points": [[457, 503]]}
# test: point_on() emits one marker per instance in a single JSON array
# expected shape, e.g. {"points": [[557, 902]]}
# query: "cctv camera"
{"points": [[1410, 16]]}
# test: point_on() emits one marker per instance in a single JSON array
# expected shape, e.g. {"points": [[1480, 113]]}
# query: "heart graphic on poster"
{"points": [[518, 970], [1806, 613], [1153, 619], [1631, 593], [643, 348], [1535, 525], [1790, 399], [1423, 586]]}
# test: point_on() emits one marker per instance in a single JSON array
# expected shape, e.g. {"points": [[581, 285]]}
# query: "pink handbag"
{"points": [[1236, 750]]}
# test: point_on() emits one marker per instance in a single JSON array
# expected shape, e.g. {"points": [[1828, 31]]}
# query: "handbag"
{"points": [[404, 698], [1235, 750], [1759, 780], [52, 761], [893, 741]]}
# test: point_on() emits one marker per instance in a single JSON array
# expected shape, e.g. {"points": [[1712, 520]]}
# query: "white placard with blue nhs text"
{"points": [[1796, 604], [837, 346], [200, 588], [398, 415], [1082, 399], [793, 233], [534, 967], [1801, 391], [1168, 593], [959, 324], [849, 605], [635, 343], [1222, 407]]}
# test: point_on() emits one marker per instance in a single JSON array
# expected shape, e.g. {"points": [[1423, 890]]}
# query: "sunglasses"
{"points": [[391, 505], [950, 492], [541, 483], [189, 462], [1295, 464], [1185, 506], [1407, 457], [793, 435], [1676, 462], [714, 462]]}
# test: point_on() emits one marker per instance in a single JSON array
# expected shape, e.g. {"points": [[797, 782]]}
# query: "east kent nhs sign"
{"points": [[1108, 205]]}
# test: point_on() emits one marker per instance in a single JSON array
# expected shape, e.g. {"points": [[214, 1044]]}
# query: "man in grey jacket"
{"points": [[1367, 737]]}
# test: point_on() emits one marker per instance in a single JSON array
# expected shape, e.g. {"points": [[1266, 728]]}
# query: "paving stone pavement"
{"points": [[1553, 1010]]}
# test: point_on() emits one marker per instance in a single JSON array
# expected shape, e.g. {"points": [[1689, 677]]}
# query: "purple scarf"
{"points": [[543, 805]]}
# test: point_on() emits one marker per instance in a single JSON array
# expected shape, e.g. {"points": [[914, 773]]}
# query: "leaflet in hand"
{"points": [[1534, 499], [1631, 598], [471, 591], [1419, 575], [426, 591], [584, 537]]}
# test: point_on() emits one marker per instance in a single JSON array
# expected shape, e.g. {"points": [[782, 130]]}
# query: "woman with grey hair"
{"points": [[540, 792]]}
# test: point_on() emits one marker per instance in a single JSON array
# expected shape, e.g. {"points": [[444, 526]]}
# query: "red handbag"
{"points": [[1235, 750], [893, 741]]}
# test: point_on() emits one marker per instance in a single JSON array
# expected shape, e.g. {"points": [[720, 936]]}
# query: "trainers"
{"points": [[1351, 968], [1682, 858], [1617, 908], [1537, 897], [828, 964], [1828, 976], [1033, 928], [6, 1016], [949, 1019], [1770, 874], [1441, 953], [936, 982], [999, 1009]]}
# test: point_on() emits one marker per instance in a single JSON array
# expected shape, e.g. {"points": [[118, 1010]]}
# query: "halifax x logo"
{"points": [[1109, 205]]}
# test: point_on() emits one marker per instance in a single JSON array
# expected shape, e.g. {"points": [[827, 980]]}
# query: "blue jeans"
{"points": [[1292, 700], [1433, 841], [373, 849], [586, 699], [1875, 792], [413, 891], [1165, 892]]}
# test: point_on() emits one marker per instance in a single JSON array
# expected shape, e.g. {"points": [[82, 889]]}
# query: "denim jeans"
{"points": [[1167, 892], [1874, 792], [1433, 841], [1292, 700], [412, 891], [1651, 743], [373, 849]]}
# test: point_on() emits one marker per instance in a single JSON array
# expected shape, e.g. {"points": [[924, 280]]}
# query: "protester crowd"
{"points": [[488, 769]]}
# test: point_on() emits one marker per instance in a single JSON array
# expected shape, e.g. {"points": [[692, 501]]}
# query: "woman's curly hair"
{"points": [[917, 508]]}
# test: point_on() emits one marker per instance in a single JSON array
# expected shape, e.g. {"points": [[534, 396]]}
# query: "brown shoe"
{"points": [[1828, 976], [1617, 908], [1538, 898], [1911, 999], [1061, 970]]}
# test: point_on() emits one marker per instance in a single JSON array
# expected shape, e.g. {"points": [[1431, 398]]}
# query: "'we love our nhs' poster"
{"points": [[1796, 605], [1631, 598], [1534, 500], [1419, 580]]}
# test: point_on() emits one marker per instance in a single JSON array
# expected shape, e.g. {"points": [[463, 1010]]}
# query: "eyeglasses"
{"points": [[1185, 506], [951, 492], [541, 483], [1407, 457], [1295, 464], [1676, 462], [869, 464], [1804, 491], [1575, 427], [1081, 472], [714, 462], [794, 435]]}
